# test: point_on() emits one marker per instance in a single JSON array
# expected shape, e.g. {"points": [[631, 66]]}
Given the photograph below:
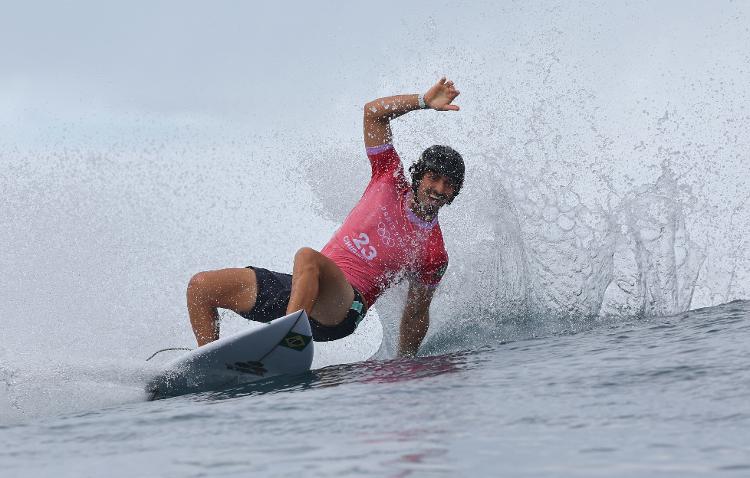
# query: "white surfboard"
{"points": [[283, 346]]}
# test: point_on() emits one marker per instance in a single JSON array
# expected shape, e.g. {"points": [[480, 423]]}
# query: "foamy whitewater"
{"points": [[594, 317]]}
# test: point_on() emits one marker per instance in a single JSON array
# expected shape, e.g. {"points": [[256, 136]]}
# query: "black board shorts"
{"points": [[274, 290]]}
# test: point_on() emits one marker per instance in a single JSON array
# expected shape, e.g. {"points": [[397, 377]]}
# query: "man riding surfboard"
{"points": [[392, 231]]}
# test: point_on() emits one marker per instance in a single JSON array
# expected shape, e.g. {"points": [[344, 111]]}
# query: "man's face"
{"points": [[434, 191]]}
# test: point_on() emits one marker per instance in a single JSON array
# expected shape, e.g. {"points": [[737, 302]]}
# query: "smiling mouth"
{"points": [[436, 197]]}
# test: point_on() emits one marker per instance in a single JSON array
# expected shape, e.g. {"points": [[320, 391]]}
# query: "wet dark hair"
{"points": [[442, 160]]}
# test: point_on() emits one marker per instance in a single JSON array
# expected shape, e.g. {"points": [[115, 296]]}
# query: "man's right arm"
{"points": [[379, 113]]}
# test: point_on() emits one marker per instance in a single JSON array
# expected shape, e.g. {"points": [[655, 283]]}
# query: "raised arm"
{"points": [[380, 112]]}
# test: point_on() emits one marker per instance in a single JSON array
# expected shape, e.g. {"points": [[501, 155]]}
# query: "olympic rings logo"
{"points": [[385, 235]]}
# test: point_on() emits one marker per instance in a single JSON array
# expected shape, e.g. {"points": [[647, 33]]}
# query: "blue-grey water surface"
{"points": [[645, 397]]}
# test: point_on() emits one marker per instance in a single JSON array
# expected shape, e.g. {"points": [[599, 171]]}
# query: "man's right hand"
{"points": [[441, 95]]}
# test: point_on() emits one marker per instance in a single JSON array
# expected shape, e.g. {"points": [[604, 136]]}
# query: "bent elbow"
{"points": [[371, 109]]}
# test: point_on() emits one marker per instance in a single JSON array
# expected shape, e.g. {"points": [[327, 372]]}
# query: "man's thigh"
{"points": [[235, 289], [335, 295]]}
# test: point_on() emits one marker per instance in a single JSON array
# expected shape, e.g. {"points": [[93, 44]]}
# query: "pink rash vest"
{"points": [[382, 238]]}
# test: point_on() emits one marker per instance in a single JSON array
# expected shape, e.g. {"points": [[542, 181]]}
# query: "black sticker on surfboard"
{"points": [[296, 341], [255, 368]]}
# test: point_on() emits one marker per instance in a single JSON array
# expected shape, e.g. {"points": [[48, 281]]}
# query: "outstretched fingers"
{"points": [[441, 95]]}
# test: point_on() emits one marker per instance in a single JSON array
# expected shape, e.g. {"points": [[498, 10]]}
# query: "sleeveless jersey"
{"points": [[381, 239]]}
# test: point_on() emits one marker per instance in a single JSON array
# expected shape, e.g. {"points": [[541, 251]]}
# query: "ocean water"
{"points": [[592, 321], [665, 396]]}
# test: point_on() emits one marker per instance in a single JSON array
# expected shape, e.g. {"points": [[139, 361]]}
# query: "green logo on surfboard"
{"points": [[295, 341]]}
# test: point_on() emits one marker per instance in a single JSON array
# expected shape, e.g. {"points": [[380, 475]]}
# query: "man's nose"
{"points": [[441, 186]]}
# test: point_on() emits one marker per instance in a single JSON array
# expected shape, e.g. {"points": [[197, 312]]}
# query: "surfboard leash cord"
{"points": [[166, 350]]}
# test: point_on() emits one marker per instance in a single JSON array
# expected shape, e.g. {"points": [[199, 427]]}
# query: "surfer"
{"points": [[392, 232]]}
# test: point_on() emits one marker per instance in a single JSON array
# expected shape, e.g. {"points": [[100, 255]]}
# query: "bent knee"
{"points": [[307, 261], [307, 254], [199, 284]]}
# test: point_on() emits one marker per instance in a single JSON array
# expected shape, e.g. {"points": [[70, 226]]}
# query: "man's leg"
{"points": [[319, 287], [233, 289]]}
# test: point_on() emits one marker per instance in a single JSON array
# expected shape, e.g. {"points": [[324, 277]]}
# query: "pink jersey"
{"points": [[382, 238]]}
